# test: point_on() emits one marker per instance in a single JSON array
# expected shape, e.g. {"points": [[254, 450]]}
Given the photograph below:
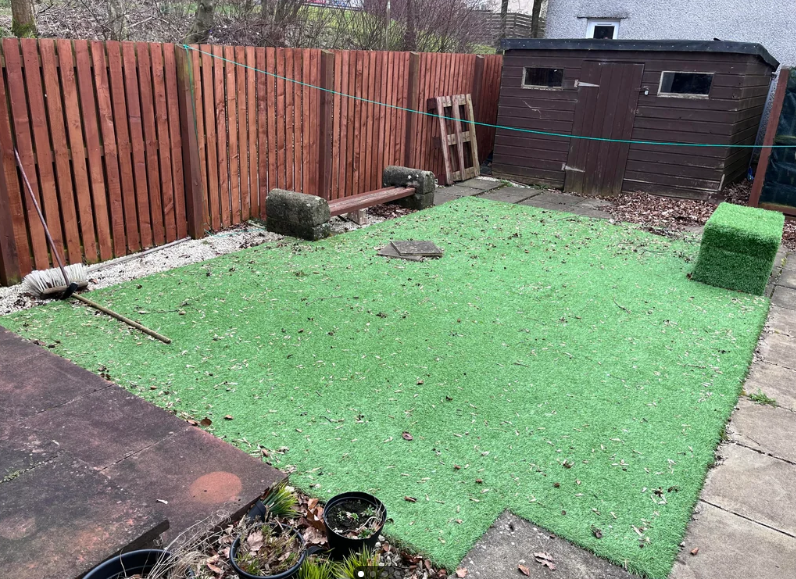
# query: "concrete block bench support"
{"points": [[307, 216]]}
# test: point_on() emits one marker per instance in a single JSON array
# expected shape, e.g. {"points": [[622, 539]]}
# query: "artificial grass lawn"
{"points": [[739, 247], [566, 363]]}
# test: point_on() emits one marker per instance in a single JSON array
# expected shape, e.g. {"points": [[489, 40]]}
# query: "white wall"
{"points": [[771, 23]]}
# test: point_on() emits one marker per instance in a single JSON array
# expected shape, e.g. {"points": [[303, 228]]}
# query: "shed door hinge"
{"points": [[581, 83]]}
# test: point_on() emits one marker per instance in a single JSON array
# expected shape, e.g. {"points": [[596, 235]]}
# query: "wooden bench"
{"points": [[368, 199]]}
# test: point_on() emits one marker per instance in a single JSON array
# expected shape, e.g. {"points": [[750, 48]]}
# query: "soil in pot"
{"points": [[267, 551], [355, 519]]}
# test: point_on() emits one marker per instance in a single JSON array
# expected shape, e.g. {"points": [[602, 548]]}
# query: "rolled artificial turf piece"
{"points": [[738, 248]]}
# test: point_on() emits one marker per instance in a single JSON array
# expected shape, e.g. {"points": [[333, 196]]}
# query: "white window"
{"points": [[602, 29]]}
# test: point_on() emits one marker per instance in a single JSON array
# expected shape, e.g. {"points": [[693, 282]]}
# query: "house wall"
{"points": [[729, 116], [771, 23]]}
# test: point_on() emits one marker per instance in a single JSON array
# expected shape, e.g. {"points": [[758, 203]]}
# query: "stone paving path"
{"points": [[88, 469], [744, 524]]}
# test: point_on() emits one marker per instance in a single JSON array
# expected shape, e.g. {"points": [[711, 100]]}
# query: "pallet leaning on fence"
{"points": [[457, 136]]}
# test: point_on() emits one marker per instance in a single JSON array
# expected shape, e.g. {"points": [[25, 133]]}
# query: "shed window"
{"points": [[685, 83], [542, 77]]}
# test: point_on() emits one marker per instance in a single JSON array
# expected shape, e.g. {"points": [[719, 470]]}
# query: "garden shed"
{"points": [[673, 91]]}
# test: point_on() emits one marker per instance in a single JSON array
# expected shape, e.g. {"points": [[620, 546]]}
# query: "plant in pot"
{"points": [[353, 522], [264, 548], [145, 563]]}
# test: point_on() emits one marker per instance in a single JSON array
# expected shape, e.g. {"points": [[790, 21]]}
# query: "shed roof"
{"points": [[716, 46]]}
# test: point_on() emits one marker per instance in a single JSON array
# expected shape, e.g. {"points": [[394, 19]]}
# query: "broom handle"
{"points": [[88, 302], [41, 216], [121, 318]]}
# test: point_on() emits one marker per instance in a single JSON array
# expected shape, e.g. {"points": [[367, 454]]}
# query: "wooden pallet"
{"points": [[457, 136]]}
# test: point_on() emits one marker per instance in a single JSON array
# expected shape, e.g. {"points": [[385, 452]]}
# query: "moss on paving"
{"points": [[566, 363], [739, 246]]}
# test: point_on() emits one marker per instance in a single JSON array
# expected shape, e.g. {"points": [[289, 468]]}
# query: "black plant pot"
{"points": [[130, 564], [342, 546], [292, 572]]}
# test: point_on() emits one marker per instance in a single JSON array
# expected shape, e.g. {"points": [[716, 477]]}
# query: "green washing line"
{"points": [[517, 129]]}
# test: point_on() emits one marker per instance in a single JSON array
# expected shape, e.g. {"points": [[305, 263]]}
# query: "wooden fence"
{"points": [[133, 145]]}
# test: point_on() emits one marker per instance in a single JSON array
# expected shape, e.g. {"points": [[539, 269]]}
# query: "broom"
{"points": [[62, 282]]}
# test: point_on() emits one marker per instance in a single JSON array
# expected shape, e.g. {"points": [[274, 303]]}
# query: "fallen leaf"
{"points": [[193, 422], [205, 421], [597, 532], [524, 570], [695, 551], [214, 568], [545, 560], [407, 436], [456, 467], [255, 541], [461, 572], [228, 417], [311, 504], [410, 499], [479, 481]]}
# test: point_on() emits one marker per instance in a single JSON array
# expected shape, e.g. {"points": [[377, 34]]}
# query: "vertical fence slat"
{"points": [[175, 137], [17, 253], [253, 125], [219, 111], [311, 158], [193, 191], [303, 122], [281, 120], [109, 147], [163, 141], [137, 142], [325, 121], [211, 150], [48, 198], [150, 142], [270, 112], [201, 133], [334, 192], [350, 88], [290, 117], [265, 126], [24, 142], [243, 135], [66, 199], [233, 152], [123, 147]]}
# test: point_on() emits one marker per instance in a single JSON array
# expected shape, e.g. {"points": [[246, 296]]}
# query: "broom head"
{"points": [[50, 283]]}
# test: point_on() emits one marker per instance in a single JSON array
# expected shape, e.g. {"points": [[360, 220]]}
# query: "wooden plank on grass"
{"points": [[175, 137], [137, 142], [123, 146], [150, 142], [55, 114], [211, 149], [105, 107], [221, 134], [41, 140], [163, 140], [232, 137]]}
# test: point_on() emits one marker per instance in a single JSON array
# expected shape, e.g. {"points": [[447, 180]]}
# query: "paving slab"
{"points": [[586, 211], [55, 381], [106, 426], [559, 199], [754, 486], [594, 203], [512, 541], [481, 184], [731, 547], [440, 197], [782, 320], [62, 518], [787, 279], [458, 190], [764, 428], [778, 349], [775, 382], [22, 450], [511, 194], [784, 297], [197, 475]]}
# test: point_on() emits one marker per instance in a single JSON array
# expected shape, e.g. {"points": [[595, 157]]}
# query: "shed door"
{"points": [[607, 99]]}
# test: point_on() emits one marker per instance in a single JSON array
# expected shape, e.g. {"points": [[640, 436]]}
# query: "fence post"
{"points": [[9, 259], [413, 93], [194, 196], [325, 145], [768, 139], [477, 91]]}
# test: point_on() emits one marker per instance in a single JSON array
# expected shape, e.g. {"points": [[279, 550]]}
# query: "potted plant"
{"points": [[353, 522], [266, 550], [139, 564]]}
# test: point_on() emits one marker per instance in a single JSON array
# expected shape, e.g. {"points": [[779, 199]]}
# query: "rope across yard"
{"points": [[489, 125]]}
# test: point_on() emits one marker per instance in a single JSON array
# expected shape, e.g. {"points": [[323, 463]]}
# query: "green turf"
{"points": [[738, 248], [566, 363]]}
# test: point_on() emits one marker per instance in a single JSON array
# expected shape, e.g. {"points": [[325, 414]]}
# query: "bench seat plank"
{"points": [[369, 199]]}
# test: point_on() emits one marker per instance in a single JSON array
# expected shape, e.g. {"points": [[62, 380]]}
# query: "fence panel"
{"points": [[98, 127]]}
